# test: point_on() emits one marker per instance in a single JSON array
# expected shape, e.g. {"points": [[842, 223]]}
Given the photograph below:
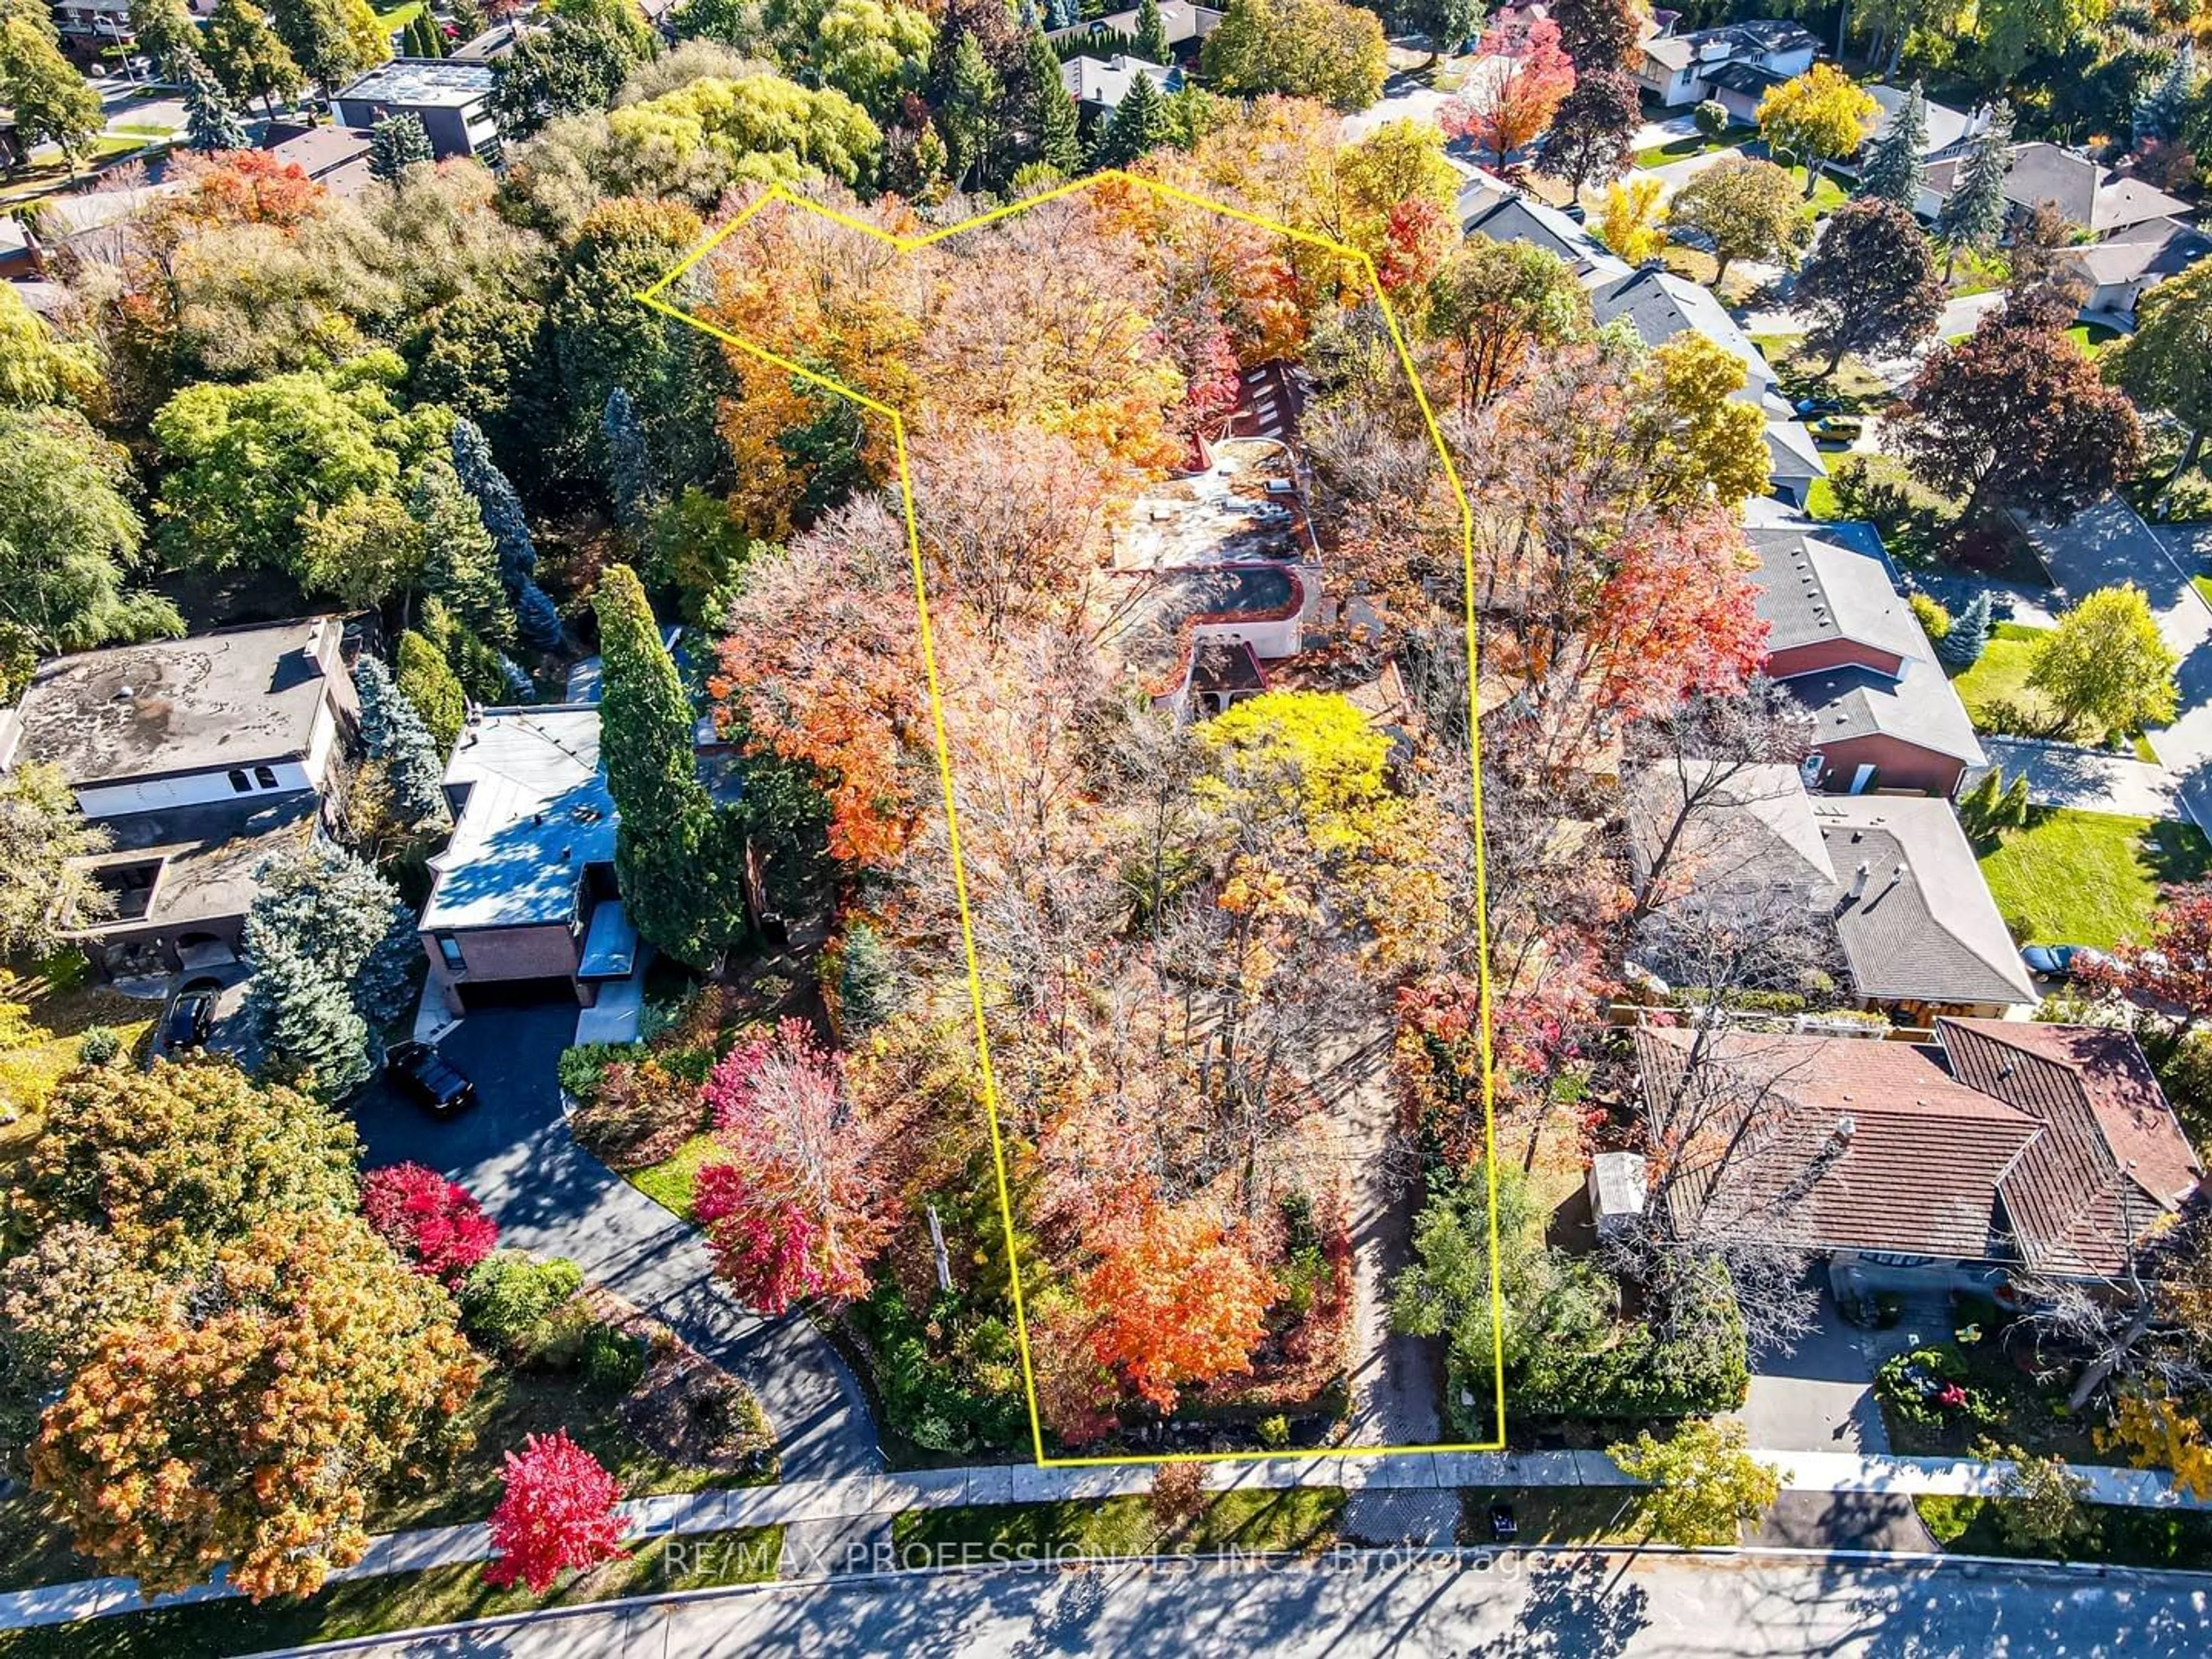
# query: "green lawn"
{"points": [[2129, 1537], [398, 17], [1553, 1515], [1827, 195], [1297, 1518], [1681, 149], [669, 1182], [1797, 374], [2075, 878], [1996, 691], [2092, 338], [399, 1602]]}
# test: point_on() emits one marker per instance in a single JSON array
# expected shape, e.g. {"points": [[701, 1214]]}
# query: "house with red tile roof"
{"points": [[2004, 1147]]}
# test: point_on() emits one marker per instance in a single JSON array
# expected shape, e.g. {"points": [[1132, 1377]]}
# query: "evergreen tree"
{"points": [[1139, 126], [496, 500], [331, 944], [210, 121], [1062, 13], [325, 38], [536, 619], [2163, 112], [629, 466], [460, 566], [1977, 809], [1052, 121], [392, 730], [1961, 649], [679, 885], [867, 983], [973, 116], [1974, 215], [1152, 34], [1893, 166], [396, 143]]}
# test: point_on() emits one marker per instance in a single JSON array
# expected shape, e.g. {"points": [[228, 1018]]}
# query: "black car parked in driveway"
{"points": [[424, 1076], [189, 1019]]}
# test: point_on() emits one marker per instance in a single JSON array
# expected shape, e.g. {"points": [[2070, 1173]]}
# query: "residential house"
{"points": [[1951, 135], [1099, 87], [2127, 263], [451, 98], [200, 757], [524, 905], [2100, 199], [1999, 1150], [1842, 638], [1498, 212], [336, 158], [1225, 555], [1187, 25], [1893, 877], [1679, 69]]}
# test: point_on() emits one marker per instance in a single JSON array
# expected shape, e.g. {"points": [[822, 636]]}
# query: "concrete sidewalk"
{"points": [[797, 1502]]}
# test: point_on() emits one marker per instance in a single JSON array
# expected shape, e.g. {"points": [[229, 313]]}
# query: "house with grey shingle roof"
{"points": [[1842, 638], [1496, 212], [1659, 305]]}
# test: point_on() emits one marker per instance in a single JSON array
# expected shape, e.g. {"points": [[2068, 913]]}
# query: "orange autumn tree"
{"points": [[1528, 75], [1179, 1299]]}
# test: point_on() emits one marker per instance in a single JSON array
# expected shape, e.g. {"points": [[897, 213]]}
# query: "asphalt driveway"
{"points": [[1817, 1396], [514, 1152]]}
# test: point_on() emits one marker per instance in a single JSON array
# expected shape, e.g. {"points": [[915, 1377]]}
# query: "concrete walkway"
{"points": [[800, 1503]]}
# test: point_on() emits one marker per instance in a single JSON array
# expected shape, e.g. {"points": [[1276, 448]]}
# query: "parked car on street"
{"points": [[189, 1019], [428, 1079], [1808, 408]]}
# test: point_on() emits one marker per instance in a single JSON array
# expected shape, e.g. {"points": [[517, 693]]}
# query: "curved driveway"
{"points": [[514, 1152]]}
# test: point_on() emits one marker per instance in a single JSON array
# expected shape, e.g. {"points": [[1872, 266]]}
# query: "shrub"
{"points": [[558, 1341], [1178, 1495], [1934, 620], [1275, 1432], [580, 1067], [1945, 1360], [613, 1363], [509, 1291], [436, 1224], [640, 1115], [1948, 1518], [98, 1045], [1711, 116]]}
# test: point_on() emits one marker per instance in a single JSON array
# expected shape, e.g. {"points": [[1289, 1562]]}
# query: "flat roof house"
{"points": [[525, 904], [2001, 1147], [451, 98], [1186, 24], [1844, 641], [200, 757]]}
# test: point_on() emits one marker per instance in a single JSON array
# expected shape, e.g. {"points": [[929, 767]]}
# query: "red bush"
{"points": [[558, 1512], [440, 1229]]}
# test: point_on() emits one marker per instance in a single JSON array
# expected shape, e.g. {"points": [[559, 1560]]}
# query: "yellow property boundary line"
{"points": [[652, 297]]}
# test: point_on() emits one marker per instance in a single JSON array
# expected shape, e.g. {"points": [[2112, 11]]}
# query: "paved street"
{"points": [[515, 1154], [1570, 1606], [2106, 545]]}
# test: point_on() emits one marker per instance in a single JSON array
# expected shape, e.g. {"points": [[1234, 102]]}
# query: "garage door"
{"points": [[516, 992]]}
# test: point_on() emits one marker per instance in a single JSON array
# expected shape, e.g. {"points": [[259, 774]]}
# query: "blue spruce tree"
{"points": [[394, 732], [496, 500], [630, 464]]}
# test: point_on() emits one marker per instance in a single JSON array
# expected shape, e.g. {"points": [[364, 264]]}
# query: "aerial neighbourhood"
{"points": [[766, 765]]}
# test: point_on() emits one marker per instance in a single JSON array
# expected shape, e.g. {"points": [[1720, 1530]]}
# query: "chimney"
{"points": [[1858, 883]]}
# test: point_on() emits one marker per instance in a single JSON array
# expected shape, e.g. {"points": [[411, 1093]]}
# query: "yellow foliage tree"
{"points": [[1629, 222], [1819, 116], [2158, 1432]]}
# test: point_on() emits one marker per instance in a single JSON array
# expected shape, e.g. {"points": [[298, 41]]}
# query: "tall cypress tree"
{"points": [[1895, 165], [1052, 121], [460, 566], [681, 889]]}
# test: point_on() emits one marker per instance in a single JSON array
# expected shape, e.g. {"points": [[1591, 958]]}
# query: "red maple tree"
{"points": [[2173, 969], [1525, 73], [557, 1513], [436, 1224], [1179, 1300]]}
